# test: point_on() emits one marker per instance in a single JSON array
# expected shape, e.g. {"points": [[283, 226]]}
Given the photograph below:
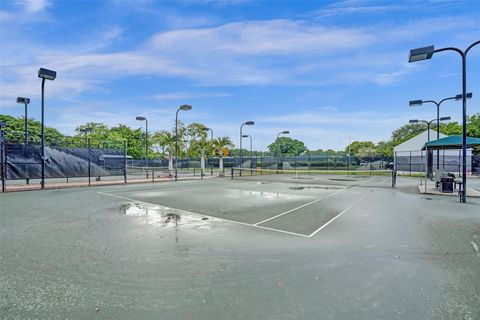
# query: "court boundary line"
{"points": [[205, 215], [341, 213], [299, 207]]}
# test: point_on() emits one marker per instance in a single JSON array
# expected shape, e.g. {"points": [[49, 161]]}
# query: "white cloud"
{"points": [[34, 6], [179, 95], [263, 37]]}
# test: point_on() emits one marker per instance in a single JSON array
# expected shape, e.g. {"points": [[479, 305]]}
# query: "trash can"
{"points": [[446, 184]]}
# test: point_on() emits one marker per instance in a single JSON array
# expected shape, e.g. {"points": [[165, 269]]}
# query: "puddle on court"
{"points": [[260, 195], [165, 217], [315, 187]]}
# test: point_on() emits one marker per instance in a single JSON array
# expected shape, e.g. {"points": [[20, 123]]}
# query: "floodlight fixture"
{"points": [[460, 96], [283, 132], [415, 103], [185, 107], [23, 100], [420, 54], [139, 118], [413, 121], [445, 118], [47, 74], [249, 123]]}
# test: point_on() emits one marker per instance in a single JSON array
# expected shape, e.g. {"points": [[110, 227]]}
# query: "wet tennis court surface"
{"points": [[246, 249], [297, 209]]}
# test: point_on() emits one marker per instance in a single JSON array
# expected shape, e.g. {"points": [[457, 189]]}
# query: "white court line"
{"points": [[302, 206], [338, 215], [205, 215]]}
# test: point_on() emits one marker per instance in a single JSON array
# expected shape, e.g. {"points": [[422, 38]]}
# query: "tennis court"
{"points": [[296, 202], [258, 246]]}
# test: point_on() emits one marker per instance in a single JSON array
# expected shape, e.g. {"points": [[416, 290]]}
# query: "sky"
{"points": [[330, 72]]}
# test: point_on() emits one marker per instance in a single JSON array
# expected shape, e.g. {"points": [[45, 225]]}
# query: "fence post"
{"points": [[308, 163], [443, 160], [410, 163], [125, 161], [88, 149], [3, 156]]}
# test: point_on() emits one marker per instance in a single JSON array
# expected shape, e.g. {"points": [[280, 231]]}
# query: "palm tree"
{"points": [[198, 147], [220, 147], [167, 142]]}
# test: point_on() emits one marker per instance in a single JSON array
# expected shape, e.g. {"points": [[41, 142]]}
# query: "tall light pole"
{"points": [[139, 118], [184, 107], [416, 103], [211, 132], [44, 74], [425, 53], [429, 123], [278, 136], [25, 101], [248, 123], [428, 130], [251, 153], [3, 168]]}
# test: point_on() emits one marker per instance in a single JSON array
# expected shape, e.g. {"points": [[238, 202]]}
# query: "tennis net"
{"points": [[367, 178], [147, 172]]}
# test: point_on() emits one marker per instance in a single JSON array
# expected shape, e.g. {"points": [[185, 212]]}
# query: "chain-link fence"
{"points": [[414, 162]]}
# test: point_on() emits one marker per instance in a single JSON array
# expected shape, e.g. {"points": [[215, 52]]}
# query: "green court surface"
{"points": [[240, 249]]}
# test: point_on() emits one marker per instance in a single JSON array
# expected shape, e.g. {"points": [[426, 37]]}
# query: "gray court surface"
{"points": [[223, 249]]}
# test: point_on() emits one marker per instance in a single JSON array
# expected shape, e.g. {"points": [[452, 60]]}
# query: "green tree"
{"points": [[473, 125], [15, 130], [135, 143], [220, 147], [407, 132], [358, 147], [98, 130], [451, 128], [287, 147]]}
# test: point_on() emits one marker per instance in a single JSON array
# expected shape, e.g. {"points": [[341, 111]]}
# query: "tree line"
{"points": [[193, 140]]}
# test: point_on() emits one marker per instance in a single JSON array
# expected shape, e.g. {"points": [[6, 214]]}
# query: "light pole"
{"points": [[139, 118], [283, 132], [251, 153], [429, 123], [3, 166], [184, 107], [25, 101], [425, 53], [416, 103], [211, 132], [248, 123], [429, 173], [211, 140], [45, 74], [278, 136]]}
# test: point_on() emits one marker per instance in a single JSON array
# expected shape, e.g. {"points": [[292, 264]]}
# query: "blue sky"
{"points": [[324, 70]]}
